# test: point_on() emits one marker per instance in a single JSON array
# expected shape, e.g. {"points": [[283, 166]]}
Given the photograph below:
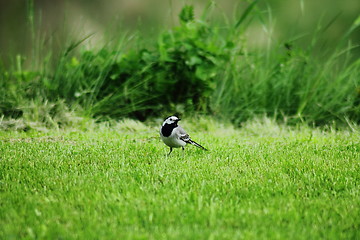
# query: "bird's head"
{"points": [[171, 120]]}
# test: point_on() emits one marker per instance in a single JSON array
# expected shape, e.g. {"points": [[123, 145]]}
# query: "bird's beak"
{"points": [[178, 119]]}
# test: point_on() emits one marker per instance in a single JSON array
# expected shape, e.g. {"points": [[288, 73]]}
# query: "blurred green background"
{"points": [[295, 60], [61, 21]]}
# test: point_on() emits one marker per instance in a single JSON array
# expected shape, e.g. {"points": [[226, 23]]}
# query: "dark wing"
{"points": [[186, 138], [182, 134]]}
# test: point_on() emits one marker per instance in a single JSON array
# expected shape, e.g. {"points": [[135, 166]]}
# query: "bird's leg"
{"points": [[170, 151], [183, 148]]}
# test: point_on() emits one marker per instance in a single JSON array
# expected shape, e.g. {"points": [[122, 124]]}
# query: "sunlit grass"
{"points": [[261, 181], [70, 170]]}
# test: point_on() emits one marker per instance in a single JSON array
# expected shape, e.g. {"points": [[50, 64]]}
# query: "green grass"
{"points": [[199, 65], [263, 181]]}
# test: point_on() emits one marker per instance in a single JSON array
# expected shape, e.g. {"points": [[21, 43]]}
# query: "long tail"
{"points": [[196, 144]]}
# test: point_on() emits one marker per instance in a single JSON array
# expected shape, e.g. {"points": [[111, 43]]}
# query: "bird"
{"points": [[175, 136]]}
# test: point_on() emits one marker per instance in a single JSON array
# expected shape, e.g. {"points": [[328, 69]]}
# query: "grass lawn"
{"points": [[262, 181]]}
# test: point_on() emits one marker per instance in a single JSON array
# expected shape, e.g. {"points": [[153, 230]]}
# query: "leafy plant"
{"points": [[181, 69], [197, 66]]}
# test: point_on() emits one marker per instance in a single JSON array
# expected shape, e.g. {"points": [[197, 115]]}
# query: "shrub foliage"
{"points": [[196, 66]]}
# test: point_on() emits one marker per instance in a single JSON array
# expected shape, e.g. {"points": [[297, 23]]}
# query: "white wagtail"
{"points": [[175, 136]]}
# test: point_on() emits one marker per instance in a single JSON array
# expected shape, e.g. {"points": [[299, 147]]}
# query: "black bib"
{"points": [[167, 129]]}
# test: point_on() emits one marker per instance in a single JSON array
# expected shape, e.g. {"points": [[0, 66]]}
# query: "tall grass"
{"points": [[293, 86], [195, 66]]}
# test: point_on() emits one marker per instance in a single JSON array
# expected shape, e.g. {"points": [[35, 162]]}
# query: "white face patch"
{"points": [[170, 120]]}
